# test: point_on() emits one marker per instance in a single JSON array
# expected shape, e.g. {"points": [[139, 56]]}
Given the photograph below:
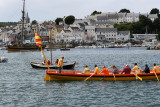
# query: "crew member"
{"points": [[146, 70], [115, 70], [156, 68], [56, 62], [97, 70], [86, 70], [136, 69], [105, 70], [126, 70], [60, 64]]}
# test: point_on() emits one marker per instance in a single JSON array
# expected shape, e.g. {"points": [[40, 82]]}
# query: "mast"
{"points": [[23, 12], [50, 39]]}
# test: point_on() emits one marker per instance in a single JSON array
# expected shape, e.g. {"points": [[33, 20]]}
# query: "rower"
{"points": [[146, 70], [86, 70], [97, 70], [105, 70], [156, 68], [115, 70], [126, 70], [136, 69]]}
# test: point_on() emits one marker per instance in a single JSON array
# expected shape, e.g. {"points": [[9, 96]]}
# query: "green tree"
{"points": [[34, 22], [58, 20], [69, 20], [96, 12], [156, 25], [124, 11], [154, 11]]}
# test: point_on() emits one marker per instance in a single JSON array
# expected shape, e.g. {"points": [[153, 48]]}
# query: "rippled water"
{"points": [[23, 86]]}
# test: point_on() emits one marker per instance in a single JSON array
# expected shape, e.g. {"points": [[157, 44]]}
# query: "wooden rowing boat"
{"points": [[44, 66], [77, 75]]}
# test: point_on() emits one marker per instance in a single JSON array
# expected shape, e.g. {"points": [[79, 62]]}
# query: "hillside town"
{"points": [[95, 30]]}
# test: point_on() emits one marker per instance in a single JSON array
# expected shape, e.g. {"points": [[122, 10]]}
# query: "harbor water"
{"points": [[23, 86]]}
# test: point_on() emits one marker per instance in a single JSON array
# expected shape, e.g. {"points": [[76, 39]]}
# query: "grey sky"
{"points": [[42, 10]]}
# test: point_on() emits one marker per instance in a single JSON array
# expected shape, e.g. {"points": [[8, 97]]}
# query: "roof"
{"points": [[66, 31], [106, 29], [123, 32], [74, 28]]}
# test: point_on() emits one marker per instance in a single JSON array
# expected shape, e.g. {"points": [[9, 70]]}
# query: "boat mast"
{"points": [[50, 39], [23, 12]]}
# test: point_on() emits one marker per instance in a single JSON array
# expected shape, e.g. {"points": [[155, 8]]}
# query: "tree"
{"points": [[69, 20], [154, 11], [124, 11], [58, 20], [34, 22], [96, 12]]}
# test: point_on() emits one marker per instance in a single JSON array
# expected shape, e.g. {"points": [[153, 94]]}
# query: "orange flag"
{"points": [[38, 40]]}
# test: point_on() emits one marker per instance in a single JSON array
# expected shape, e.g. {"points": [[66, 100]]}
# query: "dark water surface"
{"points": [[23, 86]]}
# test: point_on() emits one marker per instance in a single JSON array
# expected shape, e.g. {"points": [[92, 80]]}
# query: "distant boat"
{"points": [[3, 59], [65, 49]]}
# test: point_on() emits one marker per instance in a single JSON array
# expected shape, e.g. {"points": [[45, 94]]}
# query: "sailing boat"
{"points": [[51, 65], [20, 46]]}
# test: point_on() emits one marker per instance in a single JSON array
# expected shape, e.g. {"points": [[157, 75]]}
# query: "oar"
{"points": [[88, 77], [137, 76], [114, 77], [93, 74], [156, 75]]}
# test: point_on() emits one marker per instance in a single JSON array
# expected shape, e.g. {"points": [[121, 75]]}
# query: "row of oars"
{"points": [[115, 77]]}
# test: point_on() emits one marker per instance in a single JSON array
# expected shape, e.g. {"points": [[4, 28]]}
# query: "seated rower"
{"points": [[105, 70], [48, 62], [146, 70], [136, 69], [97, 70], [156, 68], [86, 70], [126, 70], [115, 70], [56, 62], [44, 62]]}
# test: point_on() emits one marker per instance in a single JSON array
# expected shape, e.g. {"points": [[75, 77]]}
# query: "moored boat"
{"points": [[53, 66], [77, 75], [3, 59]]}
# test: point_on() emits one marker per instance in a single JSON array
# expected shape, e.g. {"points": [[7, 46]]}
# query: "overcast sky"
{"points": [[41, 10]]}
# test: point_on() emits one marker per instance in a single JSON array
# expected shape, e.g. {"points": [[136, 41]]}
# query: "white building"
{"points": [[73, 34]]}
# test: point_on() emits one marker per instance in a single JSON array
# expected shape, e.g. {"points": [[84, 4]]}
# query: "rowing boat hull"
{"points": [[78, 76], [65, 66]]}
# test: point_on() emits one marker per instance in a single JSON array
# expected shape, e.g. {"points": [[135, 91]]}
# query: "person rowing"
{"points": [[126, 70], [156, 68], [146, 70], [115, 70], [105, 70], [97, 70], [136, 69], [86, 70]]}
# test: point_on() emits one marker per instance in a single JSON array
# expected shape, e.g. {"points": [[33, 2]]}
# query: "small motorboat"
{"points": [[65, 49], [53, 66], [3, 59], [77, 75]]}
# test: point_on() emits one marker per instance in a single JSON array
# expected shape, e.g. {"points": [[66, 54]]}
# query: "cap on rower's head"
{"points": [[86, 66], [62, 57], [104, 67], [95, 65], [154, 64], [127, 65]]}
